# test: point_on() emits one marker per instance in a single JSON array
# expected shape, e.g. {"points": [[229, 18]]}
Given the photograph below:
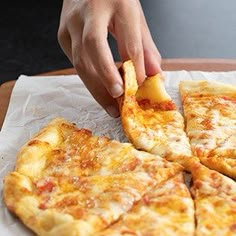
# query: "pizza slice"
{"points": [[215, 202], [69, 182], [209, 109], [166, 210], [150, 119]]}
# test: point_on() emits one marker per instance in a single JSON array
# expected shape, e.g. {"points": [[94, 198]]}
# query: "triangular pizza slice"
{"points": [[69, 182], [150, 119], [166, 210], [215, 202], [210, 113]]}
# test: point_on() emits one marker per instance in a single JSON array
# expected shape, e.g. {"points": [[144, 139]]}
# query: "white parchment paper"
{"points": [[37, 100]]}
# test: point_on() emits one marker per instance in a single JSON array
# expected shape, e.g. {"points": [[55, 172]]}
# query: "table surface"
{"points": [[167, 64]]}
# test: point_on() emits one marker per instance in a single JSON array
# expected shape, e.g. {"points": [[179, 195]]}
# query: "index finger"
{"points": [[129, 38], [95, 40]]}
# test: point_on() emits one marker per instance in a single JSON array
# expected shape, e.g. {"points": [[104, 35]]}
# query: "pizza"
{"points": [[69, 182], [150, 118], [167, 210], [215, 202], [210, 113]]}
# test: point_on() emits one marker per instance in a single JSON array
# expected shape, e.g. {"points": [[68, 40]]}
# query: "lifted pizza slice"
{"points": [[150, 119]]}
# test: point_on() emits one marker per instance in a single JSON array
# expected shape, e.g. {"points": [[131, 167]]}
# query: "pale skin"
{"points": [[83, 32]]}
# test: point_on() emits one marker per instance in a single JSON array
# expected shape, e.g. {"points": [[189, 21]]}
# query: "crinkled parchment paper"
{"points": [[37, 100]]}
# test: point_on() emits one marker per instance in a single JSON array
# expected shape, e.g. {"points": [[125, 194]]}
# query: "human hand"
{"points": [[82, 34]]}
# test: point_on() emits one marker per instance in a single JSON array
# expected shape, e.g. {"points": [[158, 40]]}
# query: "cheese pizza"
{"points": [[167, 210], [215, 202], [210, 113], [69, 182], [150, 119]]}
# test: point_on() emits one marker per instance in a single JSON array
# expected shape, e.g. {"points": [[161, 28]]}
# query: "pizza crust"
{"points": [[31, 159], [204, 87]]}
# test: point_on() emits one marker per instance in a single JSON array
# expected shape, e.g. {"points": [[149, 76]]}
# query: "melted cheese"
{"points": [[153, 89]]}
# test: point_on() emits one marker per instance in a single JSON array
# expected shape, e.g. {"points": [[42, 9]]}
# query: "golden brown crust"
{"points": [[19, 186], [205, 88], [31, 158]]}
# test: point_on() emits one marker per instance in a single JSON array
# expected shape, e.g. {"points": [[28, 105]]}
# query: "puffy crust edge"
{"points": [[18, 186], [19, 198], [127, 103], [31, 159], [190, 87]]}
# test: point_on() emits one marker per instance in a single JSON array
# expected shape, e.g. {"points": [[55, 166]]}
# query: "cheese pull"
{"points": [[153, 89]]}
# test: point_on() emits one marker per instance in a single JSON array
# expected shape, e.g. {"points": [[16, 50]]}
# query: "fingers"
{"points": [[152, 57], [95, 42], [63, 35], [83, 33], [86, 56], [99, 92], [91, 78], [135, 41], [129, 37]]}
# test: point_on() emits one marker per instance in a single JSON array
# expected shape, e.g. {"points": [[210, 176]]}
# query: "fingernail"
{"points": [[112, 111], [116, 90]]}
